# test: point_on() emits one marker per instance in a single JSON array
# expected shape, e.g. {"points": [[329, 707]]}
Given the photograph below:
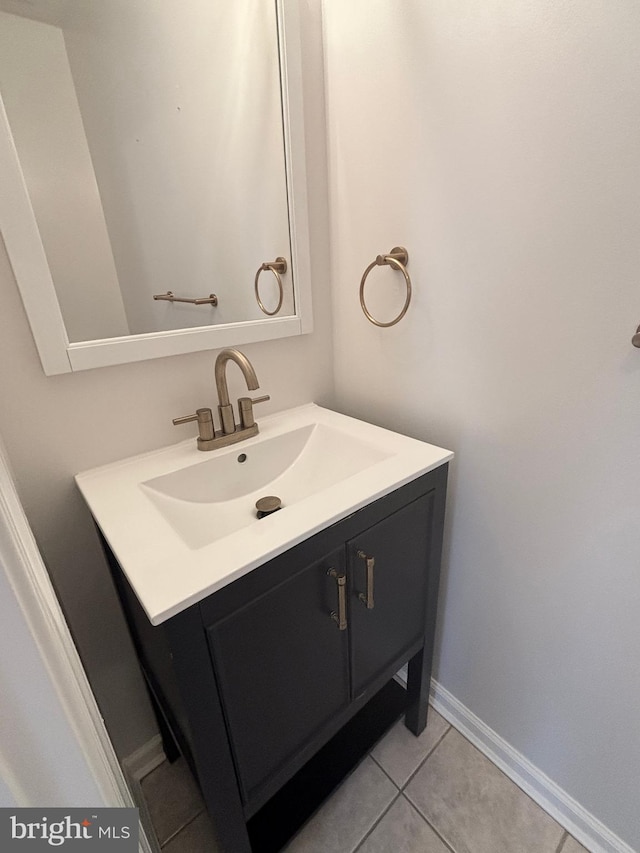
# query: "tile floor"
{"points": [[432, 794]]}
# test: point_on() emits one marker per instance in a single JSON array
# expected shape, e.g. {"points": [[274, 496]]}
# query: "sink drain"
{"points": [[267, 505]]}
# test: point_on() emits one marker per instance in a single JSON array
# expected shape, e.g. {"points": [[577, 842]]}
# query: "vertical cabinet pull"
{"points": [[367, 599], [341, 616]]}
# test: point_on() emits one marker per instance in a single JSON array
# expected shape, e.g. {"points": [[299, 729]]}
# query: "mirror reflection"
{"points": [[151, 142]]}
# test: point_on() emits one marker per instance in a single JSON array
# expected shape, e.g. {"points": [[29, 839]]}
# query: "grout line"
{"points": [[513, 782], [376, 822], [427, 821], [581, 824], [427, 756], [375, 761], [563, 841], [437, 832], [558, 849], [184, 826]]}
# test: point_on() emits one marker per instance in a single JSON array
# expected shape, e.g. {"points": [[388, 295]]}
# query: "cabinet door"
{"points": [[282, 664], [388, 572]]}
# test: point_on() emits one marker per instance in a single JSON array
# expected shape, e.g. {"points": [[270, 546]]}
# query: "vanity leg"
{"points": [[419, 677], [169, 745], [418, 681], [211, 752]]}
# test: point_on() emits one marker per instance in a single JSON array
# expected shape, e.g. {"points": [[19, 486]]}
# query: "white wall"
{"points": [[41, 760], [56, 426], [499, 142], [54, 748], [39, 97]]}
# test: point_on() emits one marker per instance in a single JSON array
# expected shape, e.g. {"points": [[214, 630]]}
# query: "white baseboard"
{"points": [[145, 759], [578, 822], [135, 767]]}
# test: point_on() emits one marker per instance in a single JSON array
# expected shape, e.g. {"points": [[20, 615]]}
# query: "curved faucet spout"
{"points": [[221, 373], [226, 411], [208, 438]]}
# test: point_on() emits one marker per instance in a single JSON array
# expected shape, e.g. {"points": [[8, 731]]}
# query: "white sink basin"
{"points": [[182, 522], [210, 500]]}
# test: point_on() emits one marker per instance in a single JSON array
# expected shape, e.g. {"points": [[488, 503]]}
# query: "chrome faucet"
{"points": [[208, 438]]}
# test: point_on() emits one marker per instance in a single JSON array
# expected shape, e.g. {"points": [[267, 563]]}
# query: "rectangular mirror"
{"points": [[153, 153]]}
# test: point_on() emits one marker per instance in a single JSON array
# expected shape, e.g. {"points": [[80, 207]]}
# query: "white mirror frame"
{"points": [[25, 249]]}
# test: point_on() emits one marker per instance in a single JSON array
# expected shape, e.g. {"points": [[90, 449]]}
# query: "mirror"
{"points": [[154, 154]]}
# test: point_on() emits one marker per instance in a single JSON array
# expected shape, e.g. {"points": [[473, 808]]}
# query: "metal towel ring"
{"points": [[278, 266], [398, 257]]}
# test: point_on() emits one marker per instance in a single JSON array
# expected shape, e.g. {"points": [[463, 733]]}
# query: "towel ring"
{"points": [[398, 257], [278, 266]]}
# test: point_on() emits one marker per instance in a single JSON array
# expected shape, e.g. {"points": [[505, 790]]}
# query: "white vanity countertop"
{"points": [[170, 568]]}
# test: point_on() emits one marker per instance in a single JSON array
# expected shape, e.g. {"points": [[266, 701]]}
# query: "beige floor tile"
{"points": [[196, 837], [403, 830], [172, 797], [573, 846], [400, 753], [349, 814], [475, 807]]}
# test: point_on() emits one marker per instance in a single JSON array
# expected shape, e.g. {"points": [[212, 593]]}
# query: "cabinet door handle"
{"points": [[341, 616], [367, 599]]}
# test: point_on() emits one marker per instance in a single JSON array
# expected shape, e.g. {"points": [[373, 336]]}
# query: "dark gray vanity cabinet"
{"points": [[253, 681], [399, 547], [282, 666]]}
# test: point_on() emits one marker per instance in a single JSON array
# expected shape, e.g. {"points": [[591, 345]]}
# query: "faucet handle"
{"points": [[245, 407], [204, 417]]}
